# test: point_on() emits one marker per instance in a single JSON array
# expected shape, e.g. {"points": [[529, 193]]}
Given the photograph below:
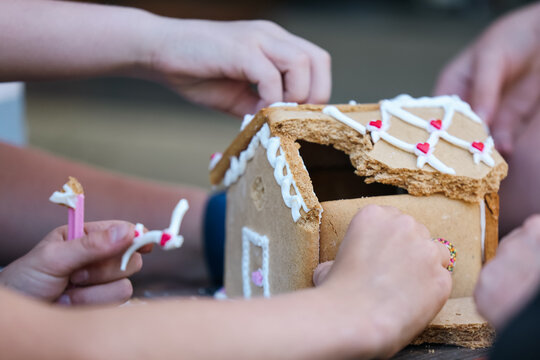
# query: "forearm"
{"points": [[31, 330], [29, 177], [303, 325], [59, 39]]}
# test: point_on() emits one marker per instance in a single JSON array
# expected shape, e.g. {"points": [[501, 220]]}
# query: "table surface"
{"points": [[153, 290]]}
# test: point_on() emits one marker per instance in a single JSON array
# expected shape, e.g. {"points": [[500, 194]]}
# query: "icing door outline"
{"points": [[260, 276]]}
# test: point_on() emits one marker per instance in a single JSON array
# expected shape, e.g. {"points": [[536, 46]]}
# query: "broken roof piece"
{"points": [[424, 145]]}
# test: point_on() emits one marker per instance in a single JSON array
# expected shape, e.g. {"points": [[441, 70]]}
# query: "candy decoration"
{"points": [[453, 253], [377, 124], [478, 145], [437, 124], [257, 277], [423, 147], [164, 238], [168, 239], [72, 196]]}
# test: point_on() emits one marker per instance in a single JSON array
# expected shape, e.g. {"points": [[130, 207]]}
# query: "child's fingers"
{"points": [[321, 271], [295, 66], [95, 246], [321, 72], [114, 292], [517, 105], [107, 271], [146, 249], [263, 73]]}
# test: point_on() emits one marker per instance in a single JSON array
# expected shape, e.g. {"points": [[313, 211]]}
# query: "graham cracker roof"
{"points": [[425, 145]]}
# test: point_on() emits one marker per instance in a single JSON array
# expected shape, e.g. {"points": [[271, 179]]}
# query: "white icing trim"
{"points": [[246, 121], [395, 107], [282, 172], [251, 237], [68, 197], [483, 227], [214, 159]]}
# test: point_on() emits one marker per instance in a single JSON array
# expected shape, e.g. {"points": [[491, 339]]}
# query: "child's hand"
{"points": [[499, 74], [511, 279], [90, 263], [391, 273], [215, 63]]}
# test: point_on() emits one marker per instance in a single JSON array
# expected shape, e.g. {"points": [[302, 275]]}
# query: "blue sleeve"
{"points": [[214, 236]]}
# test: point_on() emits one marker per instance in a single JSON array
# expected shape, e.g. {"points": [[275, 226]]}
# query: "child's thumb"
{"points": [[97, 245]]}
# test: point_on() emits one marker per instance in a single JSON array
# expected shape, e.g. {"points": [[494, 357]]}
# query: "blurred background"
{"points": [[379, 49]]}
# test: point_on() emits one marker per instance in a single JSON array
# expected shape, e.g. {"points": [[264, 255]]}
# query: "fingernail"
{"points": [[117, 233], [79, 276], [64, 300]]}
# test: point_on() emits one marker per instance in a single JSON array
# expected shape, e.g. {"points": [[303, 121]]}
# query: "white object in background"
{"points": [[12, 116]]}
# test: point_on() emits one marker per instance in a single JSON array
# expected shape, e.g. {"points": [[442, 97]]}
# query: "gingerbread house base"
{"points": [[458, 323]]}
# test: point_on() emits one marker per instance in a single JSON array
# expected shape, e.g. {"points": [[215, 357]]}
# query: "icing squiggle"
{"points": [[251, 237], [436, 128], [276, 158]]}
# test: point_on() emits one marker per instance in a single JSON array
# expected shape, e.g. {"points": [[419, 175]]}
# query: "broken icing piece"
{"points": [[168, 239], [72, 196]]}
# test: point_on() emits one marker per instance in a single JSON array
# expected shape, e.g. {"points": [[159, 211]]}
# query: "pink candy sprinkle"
{"points": [[257, 278]]}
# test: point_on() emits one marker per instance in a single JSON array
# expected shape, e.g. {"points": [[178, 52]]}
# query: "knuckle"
{"points": [[325, 58], [406, 222], [267, 25], [301, 59]]}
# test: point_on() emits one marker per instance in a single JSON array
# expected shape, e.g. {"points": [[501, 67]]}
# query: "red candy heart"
{"points": [[136, 233], [377, 124], [164, 238], [478, 145], [437, 124], [423, 147]]}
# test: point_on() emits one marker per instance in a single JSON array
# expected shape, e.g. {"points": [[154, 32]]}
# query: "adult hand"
{"points": [[499, 75], [216, 63], [91, 263], [510, 280], [388, 268]]}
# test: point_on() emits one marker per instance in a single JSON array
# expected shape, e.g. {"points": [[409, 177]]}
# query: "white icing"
{"points": [[214, 160], [246, 121], [276, 158], [483, 226], [338, 115], [352, 102], [395, 107], [279, 104], [154, 236], [251, 237], [68, 197]]}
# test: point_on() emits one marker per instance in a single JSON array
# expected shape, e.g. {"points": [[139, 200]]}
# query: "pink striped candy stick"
{"points": [[76, 219]]}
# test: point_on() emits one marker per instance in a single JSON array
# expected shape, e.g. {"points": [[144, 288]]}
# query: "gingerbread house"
{"points": [[297, 174]]}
